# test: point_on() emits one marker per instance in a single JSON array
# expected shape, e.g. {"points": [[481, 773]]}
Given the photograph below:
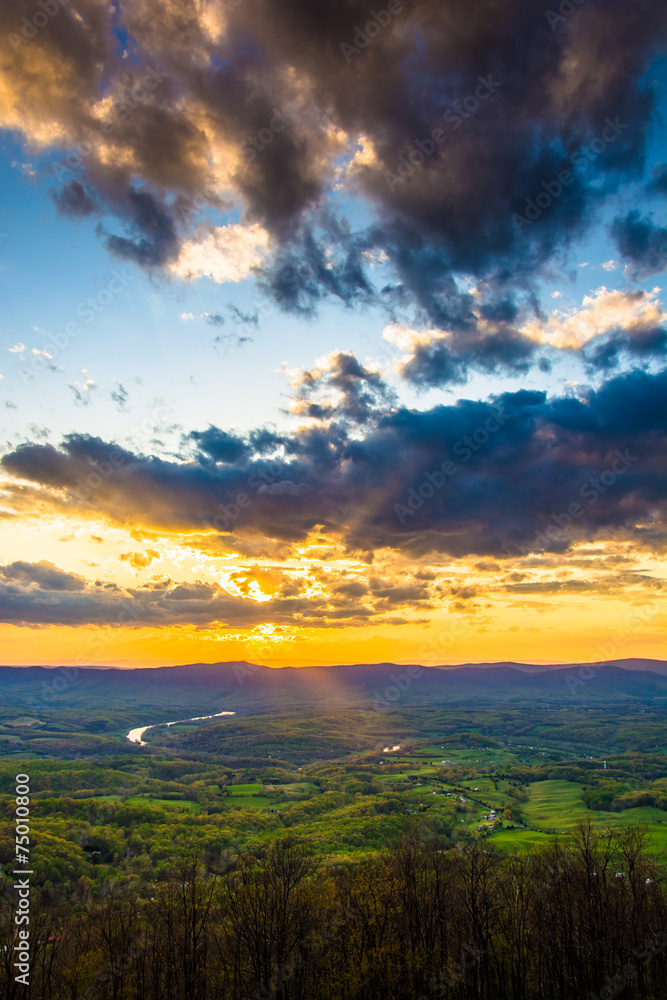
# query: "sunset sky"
{"points": [[333, 332]]}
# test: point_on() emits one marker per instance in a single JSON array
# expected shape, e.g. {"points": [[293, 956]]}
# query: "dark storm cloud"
{"points": [[344, 388], [433, 365], [270, 94], [321, 259], [154, 240], [219, 445], [471, 478], [73, 200], [641, 242], [609, 351], [439, 363], [453, 212], [658, 182]]}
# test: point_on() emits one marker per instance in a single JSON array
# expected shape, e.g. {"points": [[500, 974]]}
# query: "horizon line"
{"points": [[547, 664]]}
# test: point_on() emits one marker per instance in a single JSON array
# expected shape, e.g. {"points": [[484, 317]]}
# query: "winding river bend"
{"points": [[135, 735]]}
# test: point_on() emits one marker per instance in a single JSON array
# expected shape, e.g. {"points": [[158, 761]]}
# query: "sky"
{"points": [[332, 333]]}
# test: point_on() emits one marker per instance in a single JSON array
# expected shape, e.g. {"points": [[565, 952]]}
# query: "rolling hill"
{"points": [[247, 688]]}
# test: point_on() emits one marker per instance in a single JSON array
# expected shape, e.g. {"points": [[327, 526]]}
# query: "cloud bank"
{"points": [[171, 119], [467, 479]]}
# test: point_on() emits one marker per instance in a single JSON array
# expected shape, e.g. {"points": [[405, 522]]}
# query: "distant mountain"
{"points": [[657, 666], [245, 687], [636, 663]]}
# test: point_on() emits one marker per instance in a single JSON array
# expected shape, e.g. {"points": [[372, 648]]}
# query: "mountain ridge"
{"points": [[244, 687], [627, 663]]}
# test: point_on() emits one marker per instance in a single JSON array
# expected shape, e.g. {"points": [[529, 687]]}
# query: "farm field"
{"points": [[183, 805], [477, 780], [475, 807], [557, 807]]}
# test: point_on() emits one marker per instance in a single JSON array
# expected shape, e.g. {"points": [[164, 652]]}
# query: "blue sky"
{"points": [[51, 265]]}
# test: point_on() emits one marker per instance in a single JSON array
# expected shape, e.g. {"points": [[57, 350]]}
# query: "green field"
{"points": [[556, 807], [511, 840], [303, 788], [248, 802], [183, 804], [360, 800]]}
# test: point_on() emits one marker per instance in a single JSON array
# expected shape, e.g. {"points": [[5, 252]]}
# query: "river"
{"points": [[135, 735]]}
